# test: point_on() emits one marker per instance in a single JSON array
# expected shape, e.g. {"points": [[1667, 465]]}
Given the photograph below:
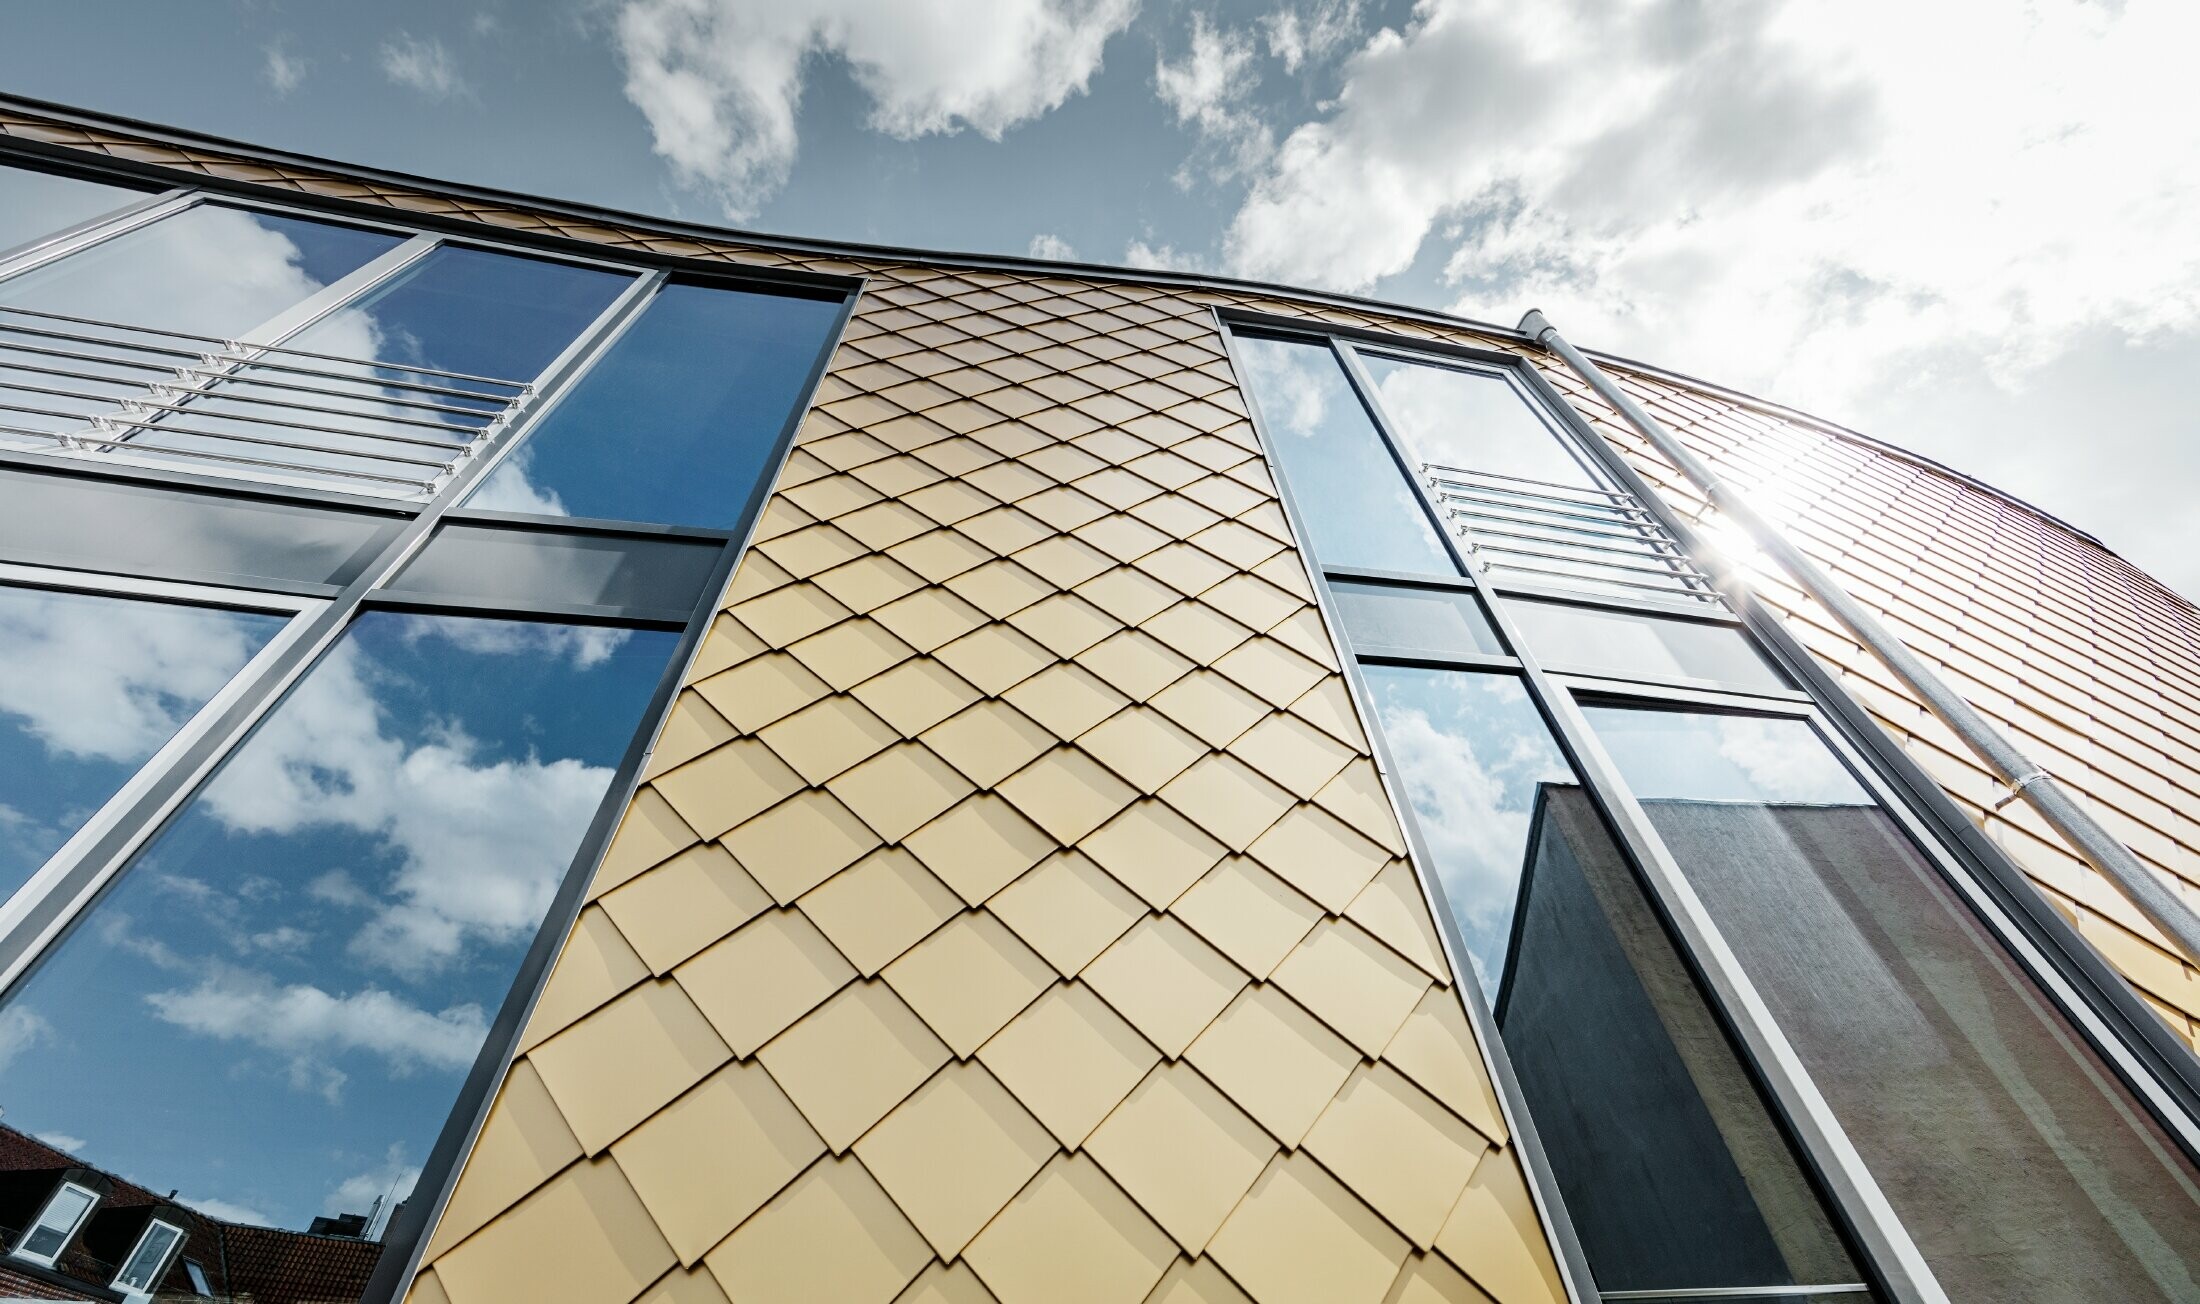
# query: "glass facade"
{"points": [[300, 769], [1593, 897]]}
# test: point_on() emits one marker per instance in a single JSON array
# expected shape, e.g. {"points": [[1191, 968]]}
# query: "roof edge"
{"points": [[188, 138]]}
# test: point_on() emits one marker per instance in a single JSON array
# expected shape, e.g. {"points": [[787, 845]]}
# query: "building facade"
{"points": [[552, 755]]}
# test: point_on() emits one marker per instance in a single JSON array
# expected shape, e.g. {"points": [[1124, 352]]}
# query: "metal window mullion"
{"points": [[83, 235], [1556, 1224], [556, 383], [31, 924], [1349, 357], [1852, 1190], [1841, 1170], [62, 865]]}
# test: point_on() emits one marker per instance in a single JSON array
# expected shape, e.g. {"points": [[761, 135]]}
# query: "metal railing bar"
{"points": [[1484, 492], [106, 439], [70, 442], [186, 373], [1439, 469], [133, 406], [1555, 521], [1633, 523], [240, 361], [267, 348], [215, 395], [1643, 548]]}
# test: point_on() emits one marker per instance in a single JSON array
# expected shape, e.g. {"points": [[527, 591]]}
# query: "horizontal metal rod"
{"points": [[2157, 900], [1679, 570], [1621, 507], [216, 394], [1579, 512], [73, 443], [184, 409], [1634, 548], [1551, 520], [264, 348], [1469, 473], [101, 437]]}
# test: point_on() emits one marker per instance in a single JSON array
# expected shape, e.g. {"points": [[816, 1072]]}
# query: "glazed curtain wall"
{"points": [[305, 752]]}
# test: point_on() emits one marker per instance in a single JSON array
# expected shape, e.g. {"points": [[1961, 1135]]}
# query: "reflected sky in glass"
{"points": [[35, 204], [1423, 619], [209, 270], [93, 686], [273, 1008], [1472, 420], [1728, 758], [675, 424], [1356, 503], [1643, 646], [456, 309], [1472, 751]]}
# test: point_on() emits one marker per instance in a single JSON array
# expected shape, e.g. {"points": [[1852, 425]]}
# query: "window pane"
{"points": [[2021, 1168], [35, 204], [455, 310], [1673, 1170], [209, 270], [146, 529], [56, 1221], [1472, 420], [146, 1259], [676, 423], [90, 687], [500, 566], [1355, 501], [1642, 646], [273, 1008], [1404, 616]]}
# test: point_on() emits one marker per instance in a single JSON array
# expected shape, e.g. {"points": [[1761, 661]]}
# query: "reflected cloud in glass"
{"points": [[1472, 420], [94, 685], [273, 1008], [1357, 503], [209, 270], [675, 424], [1472, 752], [35, 204]]}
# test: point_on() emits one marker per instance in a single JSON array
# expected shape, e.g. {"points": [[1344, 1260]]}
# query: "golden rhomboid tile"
{"points": [[1011, 912]]}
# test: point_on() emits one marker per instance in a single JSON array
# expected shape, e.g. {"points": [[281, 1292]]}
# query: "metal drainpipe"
{"points": [[2155, 899]]}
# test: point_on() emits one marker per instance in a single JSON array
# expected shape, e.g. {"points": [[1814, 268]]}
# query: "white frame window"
{"points": [[158, 1267], [45, 1222]]}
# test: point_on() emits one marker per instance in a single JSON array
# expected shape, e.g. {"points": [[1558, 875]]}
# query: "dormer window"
{"points": [[149, 1259], [56, 1224]]}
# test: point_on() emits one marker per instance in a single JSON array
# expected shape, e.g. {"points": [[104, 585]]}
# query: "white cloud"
{"points": [[1209, 89], [391, 1180], [307, 1026], [1049, 245], [228, 1211], [1161, 258], [482, 846], [1777, 195], [21, 1030], [283, 69], [424, 64], [61, 1141], [721, 80], [1301, 37], [106, 679]]}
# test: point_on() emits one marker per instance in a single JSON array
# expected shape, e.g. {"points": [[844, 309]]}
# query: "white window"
{"points": [[149, 1261], [57, 1223], [197, 1274]]}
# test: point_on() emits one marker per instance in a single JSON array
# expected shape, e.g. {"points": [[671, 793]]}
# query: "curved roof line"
{"points": [[190, 139]]}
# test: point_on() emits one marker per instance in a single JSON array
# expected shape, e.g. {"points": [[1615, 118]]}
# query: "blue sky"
{"points": [[1981, 241]]}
